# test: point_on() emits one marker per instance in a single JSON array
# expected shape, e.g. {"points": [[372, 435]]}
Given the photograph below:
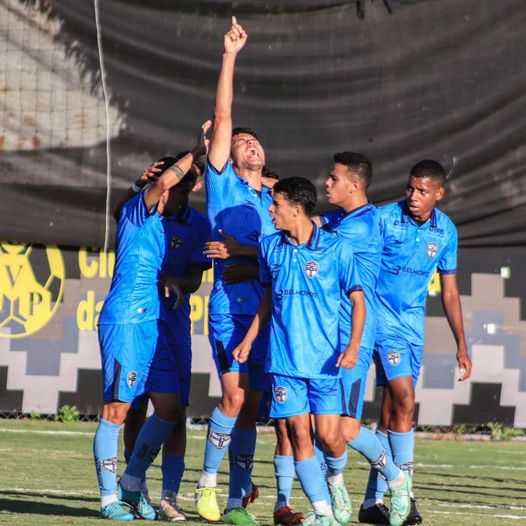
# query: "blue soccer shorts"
{"points": [[354, 382], [394, 358], [298, 396], [171, 367], [126, 352], [225, 333]]}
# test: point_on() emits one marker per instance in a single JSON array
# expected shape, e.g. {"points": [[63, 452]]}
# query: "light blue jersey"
{"points": [[360, 228], [186, 235], [238, 210], [411, 254], [140, 247], [306, 283]]}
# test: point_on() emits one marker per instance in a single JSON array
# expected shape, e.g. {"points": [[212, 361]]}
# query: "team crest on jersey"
{"points": [[245, 462], [280, 394], [219, 440], [311, 268], [175, 242], [432, 249], [393, 357], [131, 378]]}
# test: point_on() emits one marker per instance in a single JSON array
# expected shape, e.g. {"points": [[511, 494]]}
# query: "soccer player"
{"points": [[356, 222], [128, 337], [417, 240], [237, 206], [304, 270], [186, 231]]}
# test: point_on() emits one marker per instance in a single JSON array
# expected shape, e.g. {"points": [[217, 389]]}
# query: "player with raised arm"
{"points": [[304, 270], [356, 222], [237, 207], [417, 240], [128, 336]]}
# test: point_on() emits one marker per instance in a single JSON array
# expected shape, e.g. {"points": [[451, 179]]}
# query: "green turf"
{"points": [[49, 478]]}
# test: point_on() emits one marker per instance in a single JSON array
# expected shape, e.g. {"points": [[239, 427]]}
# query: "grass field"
{"points": [[47, 478]]}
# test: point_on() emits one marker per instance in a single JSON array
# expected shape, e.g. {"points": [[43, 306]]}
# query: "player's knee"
{"points": [[233, 402], [115, 412]]}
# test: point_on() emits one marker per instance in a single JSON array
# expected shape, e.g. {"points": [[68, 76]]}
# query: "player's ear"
{"points": [[439, 194]]}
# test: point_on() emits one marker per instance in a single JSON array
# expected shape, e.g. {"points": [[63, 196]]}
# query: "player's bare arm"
{"points": [[229, 248], [242, 351], [233, 42], [349, 358], [453, 310]]}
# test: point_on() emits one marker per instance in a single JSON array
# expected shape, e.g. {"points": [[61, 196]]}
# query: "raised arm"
{"points": [[219, 153], [453, 310]]}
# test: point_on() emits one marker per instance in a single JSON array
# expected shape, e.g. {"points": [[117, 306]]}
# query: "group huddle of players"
{"points": [[300, 306]]}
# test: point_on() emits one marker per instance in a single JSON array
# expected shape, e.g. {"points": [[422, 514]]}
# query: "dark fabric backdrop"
{"points": [[438, 79]]}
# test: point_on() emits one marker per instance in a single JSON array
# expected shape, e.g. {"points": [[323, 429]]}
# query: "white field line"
{"points": [[480, 506], [486, 515], [48, 432], [59, 492]]}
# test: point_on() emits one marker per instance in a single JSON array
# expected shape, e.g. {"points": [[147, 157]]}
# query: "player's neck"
{"points": [[252, 177], [301, 232], [355, 200]]}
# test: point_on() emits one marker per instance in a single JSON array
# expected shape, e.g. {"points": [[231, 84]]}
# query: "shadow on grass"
{"points": [[33, 507]]}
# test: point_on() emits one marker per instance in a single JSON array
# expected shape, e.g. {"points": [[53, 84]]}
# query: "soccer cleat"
{"points": [[414, 516], [249, 498], [312, 519], [206, 503], [168, 511], [377, 514], [117, 511], [400, 502], [140, 504], [287, 517], [341, 503], [240, 517]]}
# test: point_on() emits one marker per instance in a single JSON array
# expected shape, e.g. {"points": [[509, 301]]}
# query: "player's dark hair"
{"points": [[249, 131], [298, 190], [431, 169], [357, 164], [271, 174]]}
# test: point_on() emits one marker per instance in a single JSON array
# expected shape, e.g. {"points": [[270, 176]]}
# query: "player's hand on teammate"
{"points": [[238, 273], [170, 287], [464, 364], [222, 249], [236, 38], [241, 352], [349, 358], [150, 175]]}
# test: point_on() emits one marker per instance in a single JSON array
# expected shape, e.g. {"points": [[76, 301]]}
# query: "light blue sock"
{"points": [[336, 465], [241, 458], [147, 446], [368, 444], [284, 471], [105, 445], [376, 484], [312, 480], [320, 456], [218, 438], [402, 446], [172, 468]]}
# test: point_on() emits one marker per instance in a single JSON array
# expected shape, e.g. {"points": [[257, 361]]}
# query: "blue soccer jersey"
{"points": [[306, 283], [411, 254], [360, 228], [185, 235], [238, 210], [140, 247]]}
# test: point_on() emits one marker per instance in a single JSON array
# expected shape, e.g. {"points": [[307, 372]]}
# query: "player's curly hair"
{"points": [[431, 169], [298, 190]]}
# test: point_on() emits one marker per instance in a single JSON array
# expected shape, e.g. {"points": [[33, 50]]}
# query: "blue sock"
{"points": [[147, 446], [241, 457], [172, 469], [218, 438], [368, 444], [320, 456], [312, 480], [105, 445], [336, 465], [402, 446], [376, 484], [285, 472], [127, 455]]}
